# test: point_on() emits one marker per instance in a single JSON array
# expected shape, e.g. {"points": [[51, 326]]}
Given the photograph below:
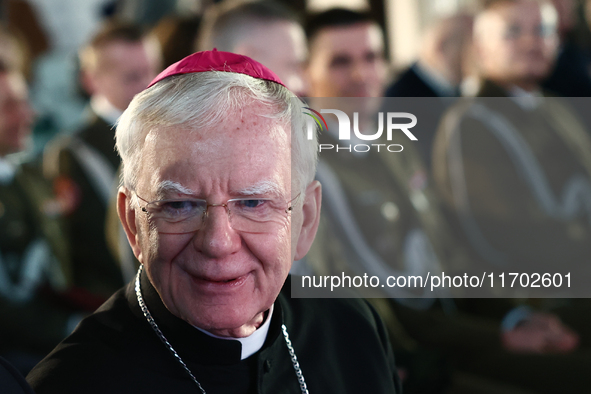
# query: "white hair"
{"points": [[204, 99]]}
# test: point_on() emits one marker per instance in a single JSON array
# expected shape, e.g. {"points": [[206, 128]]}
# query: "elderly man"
{"points": [[216, 212], [118, 63]]}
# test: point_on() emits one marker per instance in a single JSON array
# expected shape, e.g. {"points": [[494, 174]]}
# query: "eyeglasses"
{"points": [[516, 31], [251, 215]]}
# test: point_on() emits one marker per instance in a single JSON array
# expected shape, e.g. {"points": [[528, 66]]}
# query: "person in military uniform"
{"points": [[513, 167], [368, 220], [36, 307], [532, 150], [383, 216], [118, 62]]}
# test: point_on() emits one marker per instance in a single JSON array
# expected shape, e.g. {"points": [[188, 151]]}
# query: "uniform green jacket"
{"points": [[516, 180], [87, 161], [34, 266]]}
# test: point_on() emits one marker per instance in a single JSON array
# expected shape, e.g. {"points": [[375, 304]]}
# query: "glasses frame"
{"points": [[207, 205]]}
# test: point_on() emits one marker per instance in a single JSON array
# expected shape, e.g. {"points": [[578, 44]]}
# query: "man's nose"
{"points": [[217, 238], [533, 36], [359, 72]]}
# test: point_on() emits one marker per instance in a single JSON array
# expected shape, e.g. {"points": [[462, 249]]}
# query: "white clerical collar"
{"points": [[7, 171], [526, 100], [103, 108], [252, 343]]}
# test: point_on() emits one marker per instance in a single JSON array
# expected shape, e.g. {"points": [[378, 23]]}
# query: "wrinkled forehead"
{"points": [[241, 149], [249, 123]]}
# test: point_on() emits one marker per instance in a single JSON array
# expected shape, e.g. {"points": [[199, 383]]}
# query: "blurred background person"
{"points": [[368, 221], [266, 31], [507, 169], [34, 262], [515, 52], [346, 55], [516, 43], [119, 62], [438, 72], [347, 60], [55, 31], [439, 69]]}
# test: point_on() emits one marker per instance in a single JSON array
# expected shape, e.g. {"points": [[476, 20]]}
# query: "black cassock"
{"points": [[341, 345]]}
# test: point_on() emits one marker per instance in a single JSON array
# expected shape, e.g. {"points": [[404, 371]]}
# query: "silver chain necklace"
{"points": [[152, 322]]}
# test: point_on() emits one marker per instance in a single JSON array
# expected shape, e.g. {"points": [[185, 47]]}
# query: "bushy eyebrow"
{"points": [[261, 188], [169, 186], [258, 189]]}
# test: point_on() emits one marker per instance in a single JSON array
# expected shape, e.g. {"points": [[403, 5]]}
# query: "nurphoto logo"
{"points": [[344, 129]]}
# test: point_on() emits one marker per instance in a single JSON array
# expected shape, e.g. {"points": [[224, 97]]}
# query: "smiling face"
{"points": [[217, 278]]}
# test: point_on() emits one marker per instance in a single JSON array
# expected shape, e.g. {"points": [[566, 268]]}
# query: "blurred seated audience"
{"points": [[382, 215], [119, 62], [368, 223], [37, 306], [438, 71], [516, 214]]}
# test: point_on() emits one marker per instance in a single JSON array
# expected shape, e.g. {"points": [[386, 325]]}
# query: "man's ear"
{"points": [[311, 218], [127, 216]]}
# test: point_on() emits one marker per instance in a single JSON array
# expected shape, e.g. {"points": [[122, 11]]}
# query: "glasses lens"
{"points": [[177, 216], [248, 215], [257, 215]]}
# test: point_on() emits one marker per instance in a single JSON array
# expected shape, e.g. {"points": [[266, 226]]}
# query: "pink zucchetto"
{"points": [[218, 61]]}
